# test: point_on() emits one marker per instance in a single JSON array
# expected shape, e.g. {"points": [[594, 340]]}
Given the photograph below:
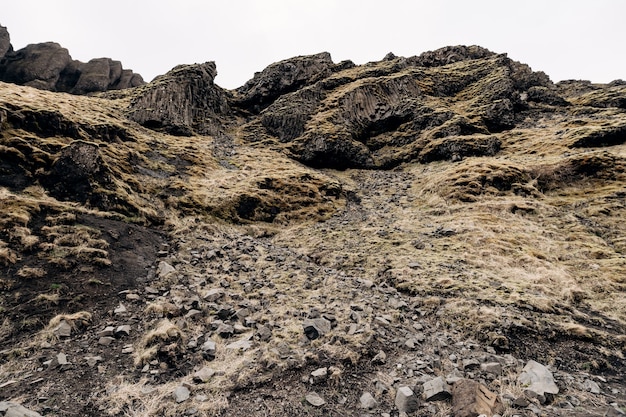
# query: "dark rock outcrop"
{"points": [[183, 101], [381, 114], [49, 66], [5, 41], [77, 173], [37, 65], [284, 77]]}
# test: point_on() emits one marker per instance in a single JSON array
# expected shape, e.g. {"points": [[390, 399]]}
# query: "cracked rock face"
{"points": [[183, 101], [382, 114]]}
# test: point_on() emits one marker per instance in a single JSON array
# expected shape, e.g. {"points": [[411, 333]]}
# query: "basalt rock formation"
{"points": [[49, 66], [183, 101], [384, 113]]}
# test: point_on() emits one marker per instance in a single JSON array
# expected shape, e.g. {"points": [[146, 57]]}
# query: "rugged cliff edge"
{"points": [[433, 235]]}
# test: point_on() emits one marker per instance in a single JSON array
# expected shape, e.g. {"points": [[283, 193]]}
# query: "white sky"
{"points": [[564, 38]]}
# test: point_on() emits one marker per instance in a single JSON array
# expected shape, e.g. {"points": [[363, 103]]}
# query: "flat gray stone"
{"points": [[164, 269], [538, 380], [93, 360], [591, 386], [181, 394], [240, 345], [203, 375], [319, 375], [208, 348], [314, 399], [213, 294], [122, 330], [106, 341]]}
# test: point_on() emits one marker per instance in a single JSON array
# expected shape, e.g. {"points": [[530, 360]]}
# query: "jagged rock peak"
{"points": [[450, 54], [183, 101], [49, 66], [284, 77], [5, 41]]}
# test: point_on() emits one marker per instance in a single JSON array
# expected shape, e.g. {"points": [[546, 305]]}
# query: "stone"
{"points": [[241, 345], [214, 294], [264, 333], [494, 368], [380, 358], [5, 42], [319, 375], [436, 390], [93, 360], [368, 401], [591, 386], [48, 66], [181, 393], [470, 364], [80, 174], [538, 381], [164, 269], [12, 409], [208, 349], [470, 399], [108, 331], [225, 330], [63, 329], [120, 309], [314, 399], [406, 400], [106, 340], [123, 330], [203, 375], [128, 349], [316, 328]]}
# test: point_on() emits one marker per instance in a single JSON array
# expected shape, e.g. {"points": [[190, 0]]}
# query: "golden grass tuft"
{"points": [[27, 272]]}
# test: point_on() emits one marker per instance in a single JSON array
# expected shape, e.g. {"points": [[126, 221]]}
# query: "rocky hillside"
{"points": [[438, 235]]}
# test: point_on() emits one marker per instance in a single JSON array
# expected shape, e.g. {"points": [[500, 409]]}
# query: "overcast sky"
{"points": [[564, 38]]}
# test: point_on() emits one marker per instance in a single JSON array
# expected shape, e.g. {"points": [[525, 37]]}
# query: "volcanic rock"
{"points": [[5, 41], [538, 381], [283, 77], [49, 66], [382, 114], [183, 101], [80, 174], [11, 409]]}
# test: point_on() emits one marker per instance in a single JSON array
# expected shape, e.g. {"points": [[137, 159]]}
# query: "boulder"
{"points": [[37, 65], [471, 399], [182, 102], [538, 381]]}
